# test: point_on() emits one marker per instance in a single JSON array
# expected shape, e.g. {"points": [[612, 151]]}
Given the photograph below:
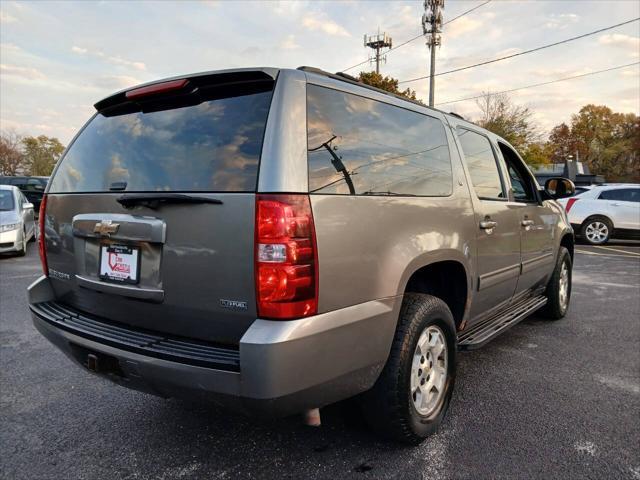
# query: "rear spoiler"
{"points": [[130, 98]]}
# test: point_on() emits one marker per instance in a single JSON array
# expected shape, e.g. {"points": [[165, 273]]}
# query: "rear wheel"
{"points": [[559, 288], [412, 394], [597, 230]]}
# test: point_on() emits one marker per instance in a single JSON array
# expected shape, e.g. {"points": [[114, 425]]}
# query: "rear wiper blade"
{"points": [[155, 200], [391, 194]]}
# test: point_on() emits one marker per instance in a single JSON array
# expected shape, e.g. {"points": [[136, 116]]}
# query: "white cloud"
{"points": [[289, 43], [461, 26], [6, 18], [116, 60], [562, 21], [626, 42], [115, 82], [320, 21], [22, 72]]}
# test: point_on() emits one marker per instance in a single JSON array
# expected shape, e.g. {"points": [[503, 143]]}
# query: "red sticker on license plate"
{"points": [[119, 263]]}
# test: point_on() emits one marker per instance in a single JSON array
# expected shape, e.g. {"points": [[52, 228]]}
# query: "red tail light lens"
{"points": [[156, 88], [41, 239], [286, 263], [570, 203]]}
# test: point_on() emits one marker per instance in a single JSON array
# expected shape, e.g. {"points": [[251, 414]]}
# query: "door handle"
{"points": [[615, 204], [488, 224], [527, 223]]}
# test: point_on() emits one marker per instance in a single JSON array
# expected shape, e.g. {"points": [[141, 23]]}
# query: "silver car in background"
{"points": [[604, 212], [17, 224]]}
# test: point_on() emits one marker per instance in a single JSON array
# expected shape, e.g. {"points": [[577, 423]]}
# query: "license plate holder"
{"points": [[119, 263]]}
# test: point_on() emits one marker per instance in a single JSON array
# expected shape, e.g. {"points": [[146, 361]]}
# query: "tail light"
{"points": [[286, 260], [41, 240], [570, 203]]}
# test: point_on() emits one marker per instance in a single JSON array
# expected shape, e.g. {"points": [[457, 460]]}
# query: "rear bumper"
{"points": [[284, 367]]}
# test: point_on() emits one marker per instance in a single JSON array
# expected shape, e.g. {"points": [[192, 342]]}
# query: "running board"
{"points": [[478, 335]]}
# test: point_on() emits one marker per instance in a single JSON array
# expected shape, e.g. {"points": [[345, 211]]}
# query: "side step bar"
{"points": [[478, 335]]}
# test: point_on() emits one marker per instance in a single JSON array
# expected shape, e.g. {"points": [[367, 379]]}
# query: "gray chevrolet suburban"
{"points": [[278, 240]]}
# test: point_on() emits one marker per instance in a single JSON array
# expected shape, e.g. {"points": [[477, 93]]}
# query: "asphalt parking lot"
{"points": [[545, 400]]}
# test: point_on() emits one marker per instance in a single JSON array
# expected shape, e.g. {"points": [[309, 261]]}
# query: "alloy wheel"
{"points": [[429, 370], [597, 232]]}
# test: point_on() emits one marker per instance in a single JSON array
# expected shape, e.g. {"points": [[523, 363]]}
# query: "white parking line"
{"points": [[586, 252], [617, 250]]}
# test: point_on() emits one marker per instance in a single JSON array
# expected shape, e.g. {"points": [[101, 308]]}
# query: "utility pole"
{"points": [[378, 42], [432, 28]]}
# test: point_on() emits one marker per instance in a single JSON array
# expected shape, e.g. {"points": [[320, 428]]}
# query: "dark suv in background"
{"points": [[277, 240], [32, 187]]}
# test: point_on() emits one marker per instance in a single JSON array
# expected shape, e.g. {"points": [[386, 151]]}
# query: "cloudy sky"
{"points": [[58, 58]]}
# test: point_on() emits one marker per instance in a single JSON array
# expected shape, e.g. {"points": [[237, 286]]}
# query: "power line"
{"points": [[541, 84], [464, 13], [524, 52], [420, 35]]}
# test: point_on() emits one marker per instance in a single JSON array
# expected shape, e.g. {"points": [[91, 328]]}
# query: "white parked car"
{"points": [[604, 212], [17, 225]]}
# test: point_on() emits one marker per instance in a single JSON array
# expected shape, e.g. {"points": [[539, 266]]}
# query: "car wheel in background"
{"points": [[597, 230], [23, 250], [411, 396], [558, 291]]}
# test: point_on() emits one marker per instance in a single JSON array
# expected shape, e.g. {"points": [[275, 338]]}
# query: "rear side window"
{"points": [[365, 147], [214, 146], [622, 194], [481, 163]]}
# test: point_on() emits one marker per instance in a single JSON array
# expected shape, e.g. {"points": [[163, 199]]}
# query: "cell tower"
{"points": [[378, 42], [432, 28]]}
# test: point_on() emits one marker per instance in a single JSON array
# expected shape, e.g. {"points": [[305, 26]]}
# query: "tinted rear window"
{"points": [[365, 147], [214, 146]]}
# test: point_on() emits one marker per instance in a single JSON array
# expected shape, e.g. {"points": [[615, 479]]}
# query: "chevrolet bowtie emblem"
{"points": [[106, 228]]}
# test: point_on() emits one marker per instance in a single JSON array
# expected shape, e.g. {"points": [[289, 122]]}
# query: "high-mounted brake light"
{"points": [[570, 203], [41, 240], [156, 88], [286, 260]]}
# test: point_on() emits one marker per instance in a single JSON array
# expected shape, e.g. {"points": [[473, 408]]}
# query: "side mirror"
{"points": [[559, 187], [27, 206]]}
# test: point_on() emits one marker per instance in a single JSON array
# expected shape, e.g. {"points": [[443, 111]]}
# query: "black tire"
{"points": [[388, 407], [555, 309], [591, 221]]}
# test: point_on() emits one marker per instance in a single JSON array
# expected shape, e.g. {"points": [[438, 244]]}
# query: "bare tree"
{"points": [[11, 153], [512, 122]]}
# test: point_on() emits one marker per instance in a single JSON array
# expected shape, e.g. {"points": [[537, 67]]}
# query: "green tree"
{"points": [[11, 155], [388, 84], [41, 154]]}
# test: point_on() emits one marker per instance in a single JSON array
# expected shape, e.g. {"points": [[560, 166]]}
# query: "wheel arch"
{"points": [[446, 279], [568, 241], [597, 215]]}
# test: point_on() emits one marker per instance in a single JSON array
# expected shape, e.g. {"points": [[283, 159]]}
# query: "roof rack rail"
{"points": [[457, 115], [344, 77]]}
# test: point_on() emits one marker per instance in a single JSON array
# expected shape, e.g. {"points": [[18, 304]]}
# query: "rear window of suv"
{"points": [[214, 146]]}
